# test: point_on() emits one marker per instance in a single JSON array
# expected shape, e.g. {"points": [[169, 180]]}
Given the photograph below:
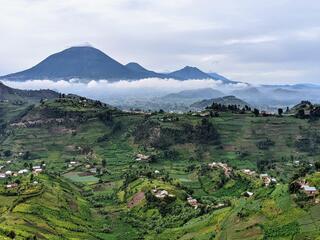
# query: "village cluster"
{"points": [[6, 173]]}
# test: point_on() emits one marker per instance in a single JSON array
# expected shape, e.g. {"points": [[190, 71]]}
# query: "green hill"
{"points": [[126, 175], [227, 100]]}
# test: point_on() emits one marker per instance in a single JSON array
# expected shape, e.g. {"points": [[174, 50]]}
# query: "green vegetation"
{"points": [[108, 174]]}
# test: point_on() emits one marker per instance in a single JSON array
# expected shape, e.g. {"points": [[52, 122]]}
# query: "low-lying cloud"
{"points": [[143, 88]]}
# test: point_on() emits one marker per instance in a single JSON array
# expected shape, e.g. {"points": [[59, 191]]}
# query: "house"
{"points": [[23, 171], [2, 176], [205, 114], [93, 170], [193, 202], [38, 170], [35, 183], [248, 172], [1, 167], [156, 171], [266, 179], [310, 191], [71, 164], [161, 194], [141, 157], [36, 167], [8, 173], [227, 170], [212, 165], [248, 194], [10, 186]]}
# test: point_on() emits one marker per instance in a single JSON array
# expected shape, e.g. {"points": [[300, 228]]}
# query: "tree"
{"points": [[280, 111], [256, 112], [300, 113], [7, 153], [104, 163], [317, 165], [12, 235]]}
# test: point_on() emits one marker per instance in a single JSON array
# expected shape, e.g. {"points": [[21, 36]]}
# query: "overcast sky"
{"points": [[256, 41]]}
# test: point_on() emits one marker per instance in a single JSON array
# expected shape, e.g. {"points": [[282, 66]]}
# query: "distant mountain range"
{"points": [[11, 94], [87, 63], [227, 100]]}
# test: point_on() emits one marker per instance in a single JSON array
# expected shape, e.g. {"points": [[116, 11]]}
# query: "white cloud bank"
{"points": [[103, 89]]}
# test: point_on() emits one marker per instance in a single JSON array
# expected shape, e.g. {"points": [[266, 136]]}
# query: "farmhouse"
{"points": [[141, 157], [72, 163], [193, 202], [248, 172], [161, 194], [248, 194], [227, 170], [38, 170], [266, 179], [23, 171], [310, 191], [10, 186]]}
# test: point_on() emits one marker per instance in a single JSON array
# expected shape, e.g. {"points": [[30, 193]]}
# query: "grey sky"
{"points": [[257, 41]]}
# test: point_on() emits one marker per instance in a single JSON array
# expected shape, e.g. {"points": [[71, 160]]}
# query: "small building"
{"points": [[248, 172], [310, 191], [205, 114], [93, 170], [8, 173], [23, 171], [38, 170], [2, 175], [193, 202], [266, 179], [156, 171], [10, 186], [36, 167], [248, 194], [142, 157], [212, 165], [273, 180], [161, 194]]}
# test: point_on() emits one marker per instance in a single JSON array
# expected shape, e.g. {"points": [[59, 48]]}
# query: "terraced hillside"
{"points": [[107, 174]]}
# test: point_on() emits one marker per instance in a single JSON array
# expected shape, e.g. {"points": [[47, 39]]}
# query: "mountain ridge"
{"points": [[87, 63]]}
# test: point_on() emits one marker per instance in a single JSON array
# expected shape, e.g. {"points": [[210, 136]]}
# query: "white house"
{"points": [[23, 171]]}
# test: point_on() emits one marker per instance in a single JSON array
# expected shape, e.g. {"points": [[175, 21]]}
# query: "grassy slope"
{"points": [[55, 211], [239, 134]]}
